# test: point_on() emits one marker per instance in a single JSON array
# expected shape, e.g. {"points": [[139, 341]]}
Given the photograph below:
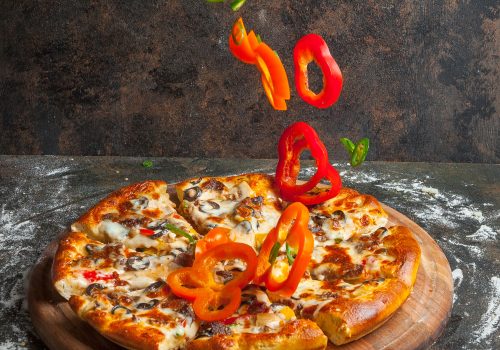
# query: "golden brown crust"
{"points": [[114, 203], [345, 320], [299, 334], [71, 248], [123, 331]]}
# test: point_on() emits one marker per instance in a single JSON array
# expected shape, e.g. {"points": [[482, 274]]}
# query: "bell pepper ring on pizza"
{"points": [[238, 262]]}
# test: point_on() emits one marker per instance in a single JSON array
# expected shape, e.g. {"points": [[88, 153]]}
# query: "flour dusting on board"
{"points": [[26, 227], [491, 318], [484, 233], [458, 277]]}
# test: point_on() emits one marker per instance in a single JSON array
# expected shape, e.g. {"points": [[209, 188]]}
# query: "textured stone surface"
{"points": [[457, 204], [156, 78]]}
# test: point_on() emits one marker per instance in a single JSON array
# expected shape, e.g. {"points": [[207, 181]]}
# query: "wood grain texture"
{"points": [[415, 325]]}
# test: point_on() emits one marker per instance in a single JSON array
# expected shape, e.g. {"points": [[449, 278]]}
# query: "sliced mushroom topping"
{"points": [[318, 219], [91, 248], [154, 287], [245, 211], [211, 226], [225, 276], [209, 329], [184, 259], [137, 263], [213, 184], [147, 306], [92, 287], [192, 193], [120, 307], [328, 295], [110, 216], [338, 215], [258, 200], [209, 207], [235, 265], [140, 203]]}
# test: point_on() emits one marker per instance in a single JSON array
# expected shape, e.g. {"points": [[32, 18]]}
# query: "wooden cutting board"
{"points": [[416, 325]]}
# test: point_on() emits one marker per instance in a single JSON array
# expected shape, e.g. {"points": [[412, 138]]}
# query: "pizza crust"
{"points": [[113, 204], [298, 334], [345, 320]]}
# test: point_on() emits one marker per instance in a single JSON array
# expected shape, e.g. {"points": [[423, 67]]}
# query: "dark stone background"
{"points": [[155, 78]]}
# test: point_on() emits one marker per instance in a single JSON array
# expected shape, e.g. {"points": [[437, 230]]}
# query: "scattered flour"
{"points": [[458, 277], [58, 171], [484, 233], [491, 318], [12, 346]]}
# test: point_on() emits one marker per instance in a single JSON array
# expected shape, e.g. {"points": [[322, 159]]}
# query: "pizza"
{"points": [[113, 266]]}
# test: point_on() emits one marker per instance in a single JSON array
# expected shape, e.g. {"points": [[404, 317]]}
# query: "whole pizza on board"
{"points": [[233, 265]]}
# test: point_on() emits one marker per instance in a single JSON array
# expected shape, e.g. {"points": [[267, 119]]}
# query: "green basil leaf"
{"points": [[348, 145], [147, 163], [360, 151], [236, 4]]}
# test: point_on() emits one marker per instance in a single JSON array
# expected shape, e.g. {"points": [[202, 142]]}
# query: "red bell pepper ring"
{"points": [[294, 140], [319, 197], [310, 48]]}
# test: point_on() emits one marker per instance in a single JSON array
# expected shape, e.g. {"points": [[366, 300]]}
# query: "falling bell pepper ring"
{"points": [[310, 48], [295, 139], [360, 151], [248, 48], [348, 144], [279, 275], [320, 196], [213, 238], [239, 43]]}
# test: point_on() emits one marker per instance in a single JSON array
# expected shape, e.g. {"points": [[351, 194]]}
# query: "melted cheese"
{"points": [[113, 230]]}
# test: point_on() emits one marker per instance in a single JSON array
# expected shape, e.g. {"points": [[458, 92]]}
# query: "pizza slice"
{"points": [[352, 286], [247, 204], [149, 318], [140, 216], [259, 324], [349, 213], [82, 263]]}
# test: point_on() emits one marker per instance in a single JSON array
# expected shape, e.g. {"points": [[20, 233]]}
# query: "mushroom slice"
{"points": [[192, 193], [137, 263]]}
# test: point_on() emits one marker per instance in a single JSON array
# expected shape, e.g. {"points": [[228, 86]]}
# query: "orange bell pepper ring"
{"points": [[282, 274], [213, 238], [213, 300], [248, 48], [239, 43]]}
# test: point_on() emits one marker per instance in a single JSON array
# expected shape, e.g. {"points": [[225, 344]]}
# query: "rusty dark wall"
{"points": [[155, 78]]}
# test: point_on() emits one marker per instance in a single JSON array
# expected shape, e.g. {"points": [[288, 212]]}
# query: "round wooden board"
{"points": [[415, 325]]}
